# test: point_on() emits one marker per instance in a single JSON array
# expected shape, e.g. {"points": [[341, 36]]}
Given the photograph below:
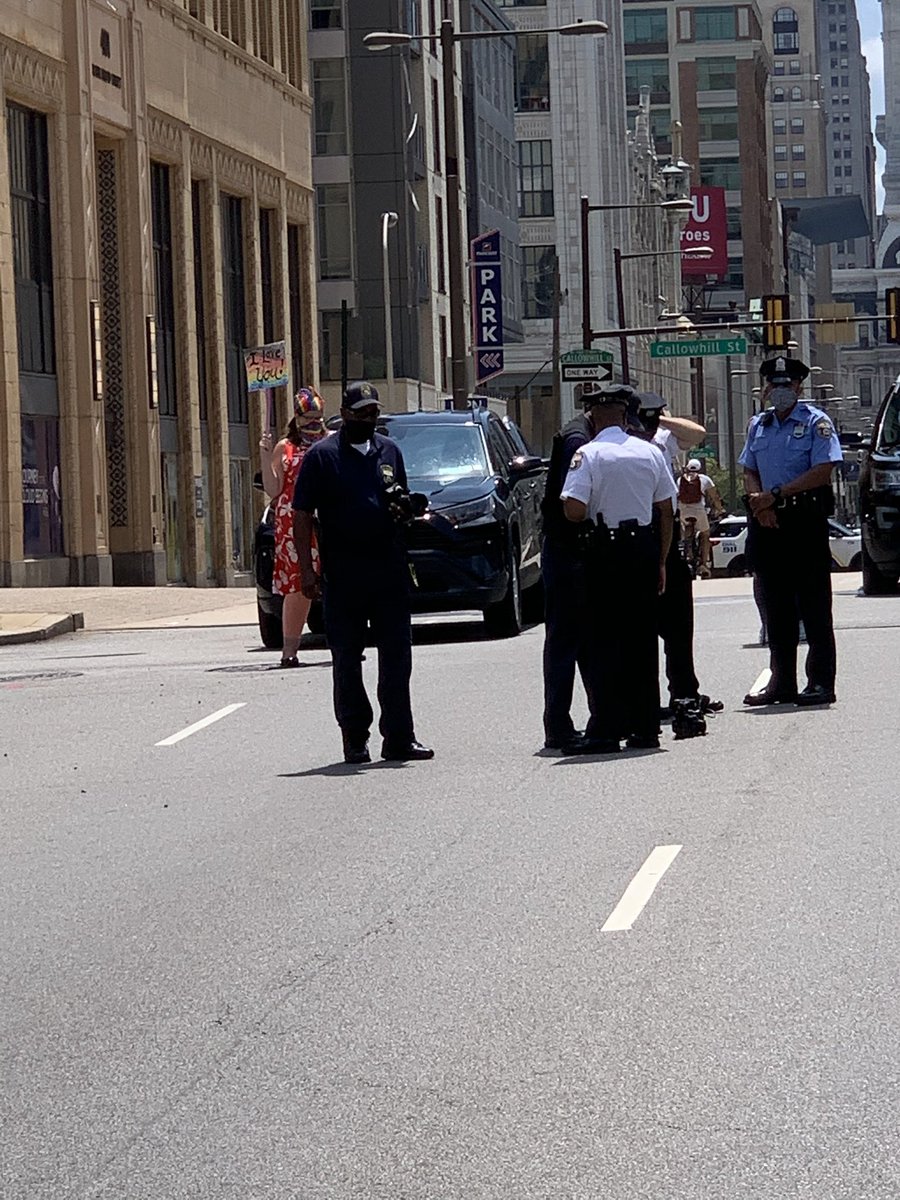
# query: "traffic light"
{"points": [[776, 308], [892, 308]]}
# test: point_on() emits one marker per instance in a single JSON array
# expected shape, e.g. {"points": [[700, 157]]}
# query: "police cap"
{"points": [[360, 395], [650, 401], [783, 370], [607, 393]]}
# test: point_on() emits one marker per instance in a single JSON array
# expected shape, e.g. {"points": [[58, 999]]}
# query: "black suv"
{"points": [[879, 499], [479, 545]]}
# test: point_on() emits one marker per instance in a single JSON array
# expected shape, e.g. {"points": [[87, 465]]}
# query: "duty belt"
{"points": [[623, 531]]}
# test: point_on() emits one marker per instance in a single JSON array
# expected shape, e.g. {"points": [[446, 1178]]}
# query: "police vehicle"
{"points": [[480, 545], [729, 546], [879, 499]]}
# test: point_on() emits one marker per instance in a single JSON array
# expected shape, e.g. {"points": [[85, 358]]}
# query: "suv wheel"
{"points": [[504, 619], [873, 581], [737, 566], [269, 629]]}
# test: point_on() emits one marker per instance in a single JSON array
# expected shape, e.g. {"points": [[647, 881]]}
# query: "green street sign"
{"points": [[698, 348], [585, 358]]}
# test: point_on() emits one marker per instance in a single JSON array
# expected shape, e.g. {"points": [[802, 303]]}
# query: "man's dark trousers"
{"points": [[354, 603], [793, 563], [566, 622], [676, 626]]}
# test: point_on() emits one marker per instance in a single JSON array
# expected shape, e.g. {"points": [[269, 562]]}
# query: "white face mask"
{"points": [[783, 398]]}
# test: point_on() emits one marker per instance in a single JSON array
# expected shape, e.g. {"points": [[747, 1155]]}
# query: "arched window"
{"points": [[785, 31], [796, 93], [778, 95]]}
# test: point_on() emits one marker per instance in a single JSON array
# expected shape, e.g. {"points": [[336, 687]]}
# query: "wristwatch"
{"points": [[776, 495]]}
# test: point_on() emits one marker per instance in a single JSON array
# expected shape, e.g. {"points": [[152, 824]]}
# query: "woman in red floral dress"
{"points": [[280, 465]]}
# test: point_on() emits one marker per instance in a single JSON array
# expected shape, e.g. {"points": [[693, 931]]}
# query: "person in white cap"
{"points": [[695, 491]]}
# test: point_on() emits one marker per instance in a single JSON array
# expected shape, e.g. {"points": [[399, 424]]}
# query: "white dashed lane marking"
{"points": [[198, 725], [641, 888]]}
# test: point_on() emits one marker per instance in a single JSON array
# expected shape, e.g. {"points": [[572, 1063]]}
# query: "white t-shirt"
{"points": [[619, 478], [667, 442]]}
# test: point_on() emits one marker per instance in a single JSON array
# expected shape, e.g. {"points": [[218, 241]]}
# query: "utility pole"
{"points": [[620, 310], [557, 382]]}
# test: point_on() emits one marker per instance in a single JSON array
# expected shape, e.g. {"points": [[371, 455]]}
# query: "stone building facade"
{"points": [[155, 220]]}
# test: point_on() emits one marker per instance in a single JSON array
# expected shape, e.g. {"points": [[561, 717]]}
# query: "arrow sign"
{"points": [[600, 372], [487, 306]]}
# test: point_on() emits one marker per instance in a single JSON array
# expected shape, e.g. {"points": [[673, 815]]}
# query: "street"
{"points": [[234, 967]]}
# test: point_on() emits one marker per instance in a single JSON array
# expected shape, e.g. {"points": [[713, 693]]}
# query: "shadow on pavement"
{"points": [[342, 768]]}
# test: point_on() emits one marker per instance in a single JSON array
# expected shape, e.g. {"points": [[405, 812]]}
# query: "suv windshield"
{"points": [[889, 433], [441, 452]]}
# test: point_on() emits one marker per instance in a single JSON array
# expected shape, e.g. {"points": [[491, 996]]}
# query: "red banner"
{"points": [[706, 229]]}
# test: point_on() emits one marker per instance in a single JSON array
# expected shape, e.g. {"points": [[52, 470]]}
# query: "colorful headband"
{"points": [[307, 403]]}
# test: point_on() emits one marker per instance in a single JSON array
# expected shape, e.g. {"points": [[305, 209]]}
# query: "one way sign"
{"points": [[487, 306]]}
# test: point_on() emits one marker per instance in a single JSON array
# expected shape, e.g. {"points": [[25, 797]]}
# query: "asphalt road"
{"points": [[234, 968]]}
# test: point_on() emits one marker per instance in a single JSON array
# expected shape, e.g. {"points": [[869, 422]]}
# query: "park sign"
{"points": [[698, 348], [583, 366], [487, 306]]}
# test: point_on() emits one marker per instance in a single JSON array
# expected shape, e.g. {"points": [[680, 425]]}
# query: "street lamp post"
{"points": [[683, 206], [729, 431], [388, 221], [447, 38]]}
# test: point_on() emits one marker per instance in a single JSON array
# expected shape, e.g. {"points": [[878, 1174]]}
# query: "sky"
{"points": [[869, 12]]}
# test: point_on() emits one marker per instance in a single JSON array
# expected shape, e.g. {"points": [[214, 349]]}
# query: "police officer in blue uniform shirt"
{"points": [[788, 460], [624, 487], [355, 485]]}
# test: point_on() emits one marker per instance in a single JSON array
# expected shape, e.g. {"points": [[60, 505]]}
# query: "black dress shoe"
{"points": [[591, 745], [815, 694], [356, 750], [411, 752], [635, 742], [767, 696], [560, 742], [710, 706]]}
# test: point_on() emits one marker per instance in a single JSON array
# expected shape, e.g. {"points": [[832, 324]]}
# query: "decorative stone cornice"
{"points": [[234, 171], [298, 205], [30, 75], [164, 135]]}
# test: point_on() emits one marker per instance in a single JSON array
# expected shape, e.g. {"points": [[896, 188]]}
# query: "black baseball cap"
{"points": [[360, 395], [607, 393], [782, 369]]}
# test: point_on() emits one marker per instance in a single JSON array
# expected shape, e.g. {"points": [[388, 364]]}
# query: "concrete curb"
{"points": [[41, 630]]}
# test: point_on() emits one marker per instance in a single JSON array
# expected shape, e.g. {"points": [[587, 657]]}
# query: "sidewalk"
{"points": [[124, 608]]}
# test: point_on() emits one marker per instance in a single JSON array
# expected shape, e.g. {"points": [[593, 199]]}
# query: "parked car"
{"points": [[879, 499], [729, 546], [479, 546]]}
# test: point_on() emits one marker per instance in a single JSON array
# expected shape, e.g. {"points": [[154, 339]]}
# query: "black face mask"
{"points": [[358, 431], [650, 420]]}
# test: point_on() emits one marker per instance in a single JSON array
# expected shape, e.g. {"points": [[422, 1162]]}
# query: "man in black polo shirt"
{"points": [[346, 482]]}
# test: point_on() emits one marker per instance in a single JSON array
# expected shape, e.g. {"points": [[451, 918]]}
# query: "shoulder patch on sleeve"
{"points": [[576, 460], [824, 428]]}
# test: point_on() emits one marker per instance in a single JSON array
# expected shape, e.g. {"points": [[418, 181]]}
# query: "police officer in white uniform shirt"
{"points": [[617, 482]]}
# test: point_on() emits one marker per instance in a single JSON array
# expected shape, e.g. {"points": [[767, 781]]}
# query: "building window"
{"points": [[440, 244], [330, 344], [648, 72], [266, 273], [799, 179], [716, 74], [714, 25], [532, 73], [798, 152], [443, 351], [436, 127], [538, 268], [325, 14], [536, 179], [778, 95], [296, 292], [234, 296], [848, 171], [781, 179], [199, 294], [785, 27], [865, 391], [648, 27], [721, 172], [836, 136], [29, 187], [335, 247], [795, 67], [717, 124], [837, 172], [798, 124], [164, 280], [796, 93], [778, 68], [779, 126], [780, 153], [330, 105]]}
